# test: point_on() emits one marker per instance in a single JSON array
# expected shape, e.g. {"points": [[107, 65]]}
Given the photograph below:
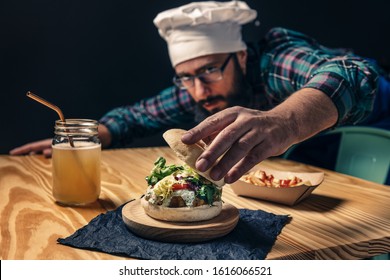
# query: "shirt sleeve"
{"points": [[171, 108], [296, 61]]}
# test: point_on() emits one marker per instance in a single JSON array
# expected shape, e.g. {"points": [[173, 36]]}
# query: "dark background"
{"points": [[89, 56]]}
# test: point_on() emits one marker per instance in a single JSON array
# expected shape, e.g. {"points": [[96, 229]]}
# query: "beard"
{"points": [[239, 95]]}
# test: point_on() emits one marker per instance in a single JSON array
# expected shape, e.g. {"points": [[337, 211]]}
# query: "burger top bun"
{"points": [[188, 153]]}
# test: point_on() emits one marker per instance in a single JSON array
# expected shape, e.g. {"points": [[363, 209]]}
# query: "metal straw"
{"points": [[51, 106]]}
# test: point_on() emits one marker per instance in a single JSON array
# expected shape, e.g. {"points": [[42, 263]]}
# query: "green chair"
{"points": [[363, 152]]}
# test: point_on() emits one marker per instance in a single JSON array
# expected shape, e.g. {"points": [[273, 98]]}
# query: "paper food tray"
{"points": [[284, 195]]}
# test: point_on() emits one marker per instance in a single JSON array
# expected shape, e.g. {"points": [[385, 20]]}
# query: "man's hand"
{"points": [[44, 146], [38, 147], [242, 137], [247, 136]]}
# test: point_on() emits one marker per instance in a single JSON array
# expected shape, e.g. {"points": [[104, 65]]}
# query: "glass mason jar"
{"points": [[76, 160]]}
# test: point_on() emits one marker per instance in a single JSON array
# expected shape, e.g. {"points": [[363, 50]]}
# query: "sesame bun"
{"points": [[188, 153]]}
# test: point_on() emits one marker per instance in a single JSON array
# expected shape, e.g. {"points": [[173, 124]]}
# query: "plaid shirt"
{"points": [[282, 63]]}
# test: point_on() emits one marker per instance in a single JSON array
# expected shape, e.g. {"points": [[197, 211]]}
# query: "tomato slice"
{"points": [[285, 183], [179, 186]]}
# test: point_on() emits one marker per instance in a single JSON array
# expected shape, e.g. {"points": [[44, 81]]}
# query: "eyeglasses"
{"points": [[210, 75]]}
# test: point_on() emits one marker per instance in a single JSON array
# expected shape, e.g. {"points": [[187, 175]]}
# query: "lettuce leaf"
{"points": [[160, 171], [209, 193]]}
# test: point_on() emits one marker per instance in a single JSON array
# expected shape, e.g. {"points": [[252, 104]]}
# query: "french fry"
{"points": [[260, 178]]}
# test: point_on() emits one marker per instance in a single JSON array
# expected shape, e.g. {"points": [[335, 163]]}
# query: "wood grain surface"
{"points": [[141, 224], [344, 218]]}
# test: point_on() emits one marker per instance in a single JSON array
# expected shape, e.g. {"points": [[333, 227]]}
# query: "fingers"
{"points": [[22, 150], [255, 156], [41, 146], [227, 131], [241, 138], [231, 132], [47, 152], [209, 127], [235, 140], [240, 148]]}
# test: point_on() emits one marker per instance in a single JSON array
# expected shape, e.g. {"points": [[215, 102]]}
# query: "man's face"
{"points": [[214, 96]]}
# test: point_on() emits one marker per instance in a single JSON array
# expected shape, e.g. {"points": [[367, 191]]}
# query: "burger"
{"points": [[180, 193]]}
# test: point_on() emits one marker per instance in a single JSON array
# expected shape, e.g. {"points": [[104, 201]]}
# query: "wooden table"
{"points": [[344, 218]]}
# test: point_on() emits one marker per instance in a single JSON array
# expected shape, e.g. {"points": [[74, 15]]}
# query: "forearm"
{"points": [[300, 62], [148, 116], [307, 112]]}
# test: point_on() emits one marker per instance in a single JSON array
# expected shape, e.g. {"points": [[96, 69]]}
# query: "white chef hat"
{"points": [[203, 28]]}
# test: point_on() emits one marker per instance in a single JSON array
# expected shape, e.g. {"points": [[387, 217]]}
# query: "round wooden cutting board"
{"points": [[142, 225]]}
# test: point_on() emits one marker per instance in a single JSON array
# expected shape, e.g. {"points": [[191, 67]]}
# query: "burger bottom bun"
{"points": [[182, 214]]}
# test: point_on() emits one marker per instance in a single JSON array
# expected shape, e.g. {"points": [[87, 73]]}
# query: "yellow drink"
{"points": [[76, 173]]}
